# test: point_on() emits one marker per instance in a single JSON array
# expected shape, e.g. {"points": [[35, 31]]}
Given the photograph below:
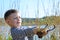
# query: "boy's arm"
{"points": [[31, 31], [31, 36]]}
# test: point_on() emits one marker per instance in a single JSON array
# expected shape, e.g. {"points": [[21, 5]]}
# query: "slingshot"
{"points": [[44, 31]]}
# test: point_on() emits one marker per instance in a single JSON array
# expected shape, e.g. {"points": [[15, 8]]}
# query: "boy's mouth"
{"points": [[18, 22]]}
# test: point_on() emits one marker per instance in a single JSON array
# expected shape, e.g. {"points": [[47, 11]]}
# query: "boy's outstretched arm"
{"points": [[30, 32]]}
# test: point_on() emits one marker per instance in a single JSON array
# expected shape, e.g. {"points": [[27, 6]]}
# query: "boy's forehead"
{"points": [[14, 14]]}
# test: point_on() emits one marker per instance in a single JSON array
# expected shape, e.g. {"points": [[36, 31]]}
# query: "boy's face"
{"points": [[14, 20]]}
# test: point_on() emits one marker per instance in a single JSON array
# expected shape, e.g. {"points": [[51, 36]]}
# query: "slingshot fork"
{"points": [[44, 31]]}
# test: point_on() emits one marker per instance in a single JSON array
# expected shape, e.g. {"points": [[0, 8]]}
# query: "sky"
{"points": [[31, 8]]}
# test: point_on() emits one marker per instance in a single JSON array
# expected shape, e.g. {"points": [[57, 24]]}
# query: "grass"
{"points": [[53, 37], [9, 37], [4, 38], [0, 37]]}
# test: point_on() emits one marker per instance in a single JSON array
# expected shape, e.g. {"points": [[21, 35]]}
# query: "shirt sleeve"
{"points": [[29, 32]]}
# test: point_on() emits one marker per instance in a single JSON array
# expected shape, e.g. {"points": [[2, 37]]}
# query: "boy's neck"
{"points": [[15, 27]]}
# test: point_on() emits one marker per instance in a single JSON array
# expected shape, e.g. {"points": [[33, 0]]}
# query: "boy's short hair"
{"points": [[9, 12]]}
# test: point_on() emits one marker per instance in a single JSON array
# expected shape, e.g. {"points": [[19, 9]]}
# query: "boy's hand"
{"points": [[41, 33], [36, 30]]}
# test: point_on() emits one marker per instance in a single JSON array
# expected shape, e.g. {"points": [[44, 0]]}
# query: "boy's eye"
{"points": [[19, 17], [15, 18]]}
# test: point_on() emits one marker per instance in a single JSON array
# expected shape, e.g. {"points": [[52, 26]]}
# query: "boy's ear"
{"points": [[7, 21]]}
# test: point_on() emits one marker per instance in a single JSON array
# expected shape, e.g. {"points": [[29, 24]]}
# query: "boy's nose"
{"points": [[19, 19]]}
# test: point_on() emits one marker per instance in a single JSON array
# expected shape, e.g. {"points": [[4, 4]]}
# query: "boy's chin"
{"points": [[18, 25]]}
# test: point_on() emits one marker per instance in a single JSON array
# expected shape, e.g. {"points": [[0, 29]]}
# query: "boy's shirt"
{"points": [[21, 33]]}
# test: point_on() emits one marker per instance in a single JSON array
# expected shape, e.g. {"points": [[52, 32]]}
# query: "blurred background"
{"points": [[33, 12]]}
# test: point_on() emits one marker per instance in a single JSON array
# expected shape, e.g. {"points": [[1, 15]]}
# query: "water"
{"points": [[5, 31]]}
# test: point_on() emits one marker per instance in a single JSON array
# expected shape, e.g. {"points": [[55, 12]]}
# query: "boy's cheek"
{"points": [[15, 23]]}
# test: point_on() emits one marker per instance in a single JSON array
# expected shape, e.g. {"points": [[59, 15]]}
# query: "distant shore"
{"points": [[37, 21]]}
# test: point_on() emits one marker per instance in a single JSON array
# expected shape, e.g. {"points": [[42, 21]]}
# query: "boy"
{"points": [[13, 19]]}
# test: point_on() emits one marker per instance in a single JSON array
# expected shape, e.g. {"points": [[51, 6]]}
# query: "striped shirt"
{"points": [[20, 34]]}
